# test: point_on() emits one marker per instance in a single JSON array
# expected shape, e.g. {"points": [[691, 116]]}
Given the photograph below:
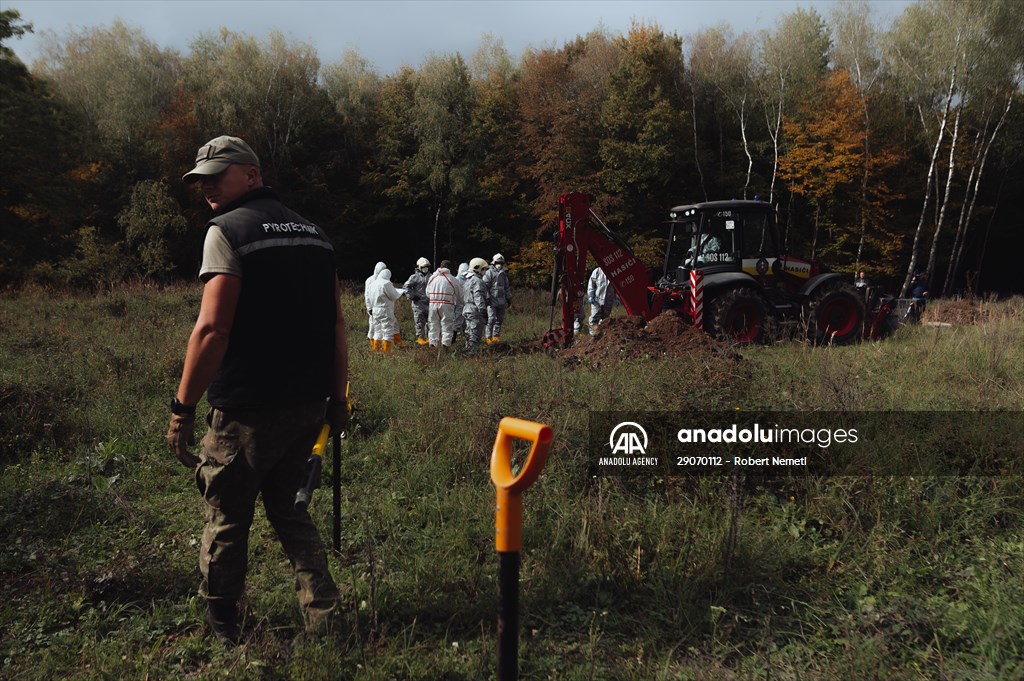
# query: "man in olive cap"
{"points": [[269, 350]]}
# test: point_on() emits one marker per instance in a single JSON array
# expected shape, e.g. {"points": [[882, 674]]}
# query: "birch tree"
{"points": [[792, 64], [856, 48]]}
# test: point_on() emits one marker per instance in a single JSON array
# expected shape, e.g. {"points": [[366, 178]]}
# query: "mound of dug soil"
{"points": [[670, 334], [956, 312]]}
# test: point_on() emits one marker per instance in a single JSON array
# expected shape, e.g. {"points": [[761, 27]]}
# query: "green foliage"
{"points": [[560, 98], [121, 110], [390, 174], [36, 154], [150, 221], [11, 27], [643, 117], [446, 153], [263, 91]]}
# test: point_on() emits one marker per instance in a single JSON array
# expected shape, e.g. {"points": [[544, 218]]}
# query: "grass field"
{"points": [[910, 577]]}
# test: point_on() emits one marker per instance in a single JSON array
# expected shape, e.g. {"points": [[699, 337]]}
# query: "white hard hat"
{"points": [[498, 257], [478, 265], [422, 262]]}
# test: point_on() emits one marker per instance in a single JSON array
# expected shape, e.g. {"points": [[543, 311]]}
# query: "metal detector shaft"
{"points": [[337, 490], [313, 466]]}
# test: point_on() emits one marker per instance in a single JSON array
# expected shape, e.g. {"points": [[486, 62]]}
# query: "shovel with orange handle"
{"points": [[508, 527]]}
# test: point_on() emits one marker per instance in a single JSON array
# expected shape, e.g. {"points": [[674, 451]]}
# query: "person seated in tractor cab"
{"points": [[707, 250], [712, 246], [865, 289]]}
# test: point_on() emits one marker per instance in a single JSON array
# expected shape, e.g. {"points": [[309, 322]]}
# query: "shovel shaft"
{"points": [[508, 616]]}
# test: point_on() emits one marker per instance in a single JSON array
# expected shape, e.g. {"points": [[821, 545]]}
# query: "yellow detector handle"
{"points": [[508, 525], [320, 446], [321, 441]]}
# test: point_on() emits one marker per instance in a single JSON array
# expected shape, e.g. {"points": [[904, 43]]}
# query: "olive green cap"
{"points": [[219, 153]]}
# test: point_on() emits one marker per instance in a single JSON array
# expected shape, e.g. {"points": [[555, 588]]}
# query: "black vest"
{"points": [[281, 349]]}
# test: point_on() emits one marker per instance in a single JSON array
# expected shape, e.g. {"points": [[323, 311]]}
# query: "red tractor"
{"points": [[724, 267]]}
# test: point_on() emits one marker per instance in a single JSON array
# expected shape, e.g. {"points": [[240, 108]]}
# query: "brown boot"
{"points": [[398, 341]]}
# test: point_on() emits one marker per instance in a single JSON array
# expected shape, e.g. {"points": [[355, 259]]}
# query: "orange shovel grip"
{"points": [[508, 526]]}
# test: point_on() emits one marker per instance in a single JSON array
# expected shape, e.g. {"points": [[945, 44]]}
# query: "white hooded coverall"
{"points": [[444, 291], [460, 279], [383, 323], [601, 296], [366, 296]]}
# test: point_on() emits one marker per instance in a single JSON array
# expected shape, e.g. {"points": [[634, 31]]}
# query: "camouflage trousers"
{"points": [[261, 452]]}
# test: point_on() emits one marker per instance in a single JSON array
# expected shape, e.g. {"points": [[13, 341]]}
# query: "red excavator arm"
{"points": [[580, 233]]}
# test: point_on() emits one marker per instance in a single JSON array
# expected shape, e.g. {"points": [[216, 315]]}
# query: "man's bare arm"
{"points": [[209, 339]]}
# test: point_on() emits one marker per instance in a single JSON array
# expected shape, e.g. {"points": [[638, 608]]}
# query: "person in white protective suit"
{"points": [[500, 292], [369, 303], [577, 318], [601, 296], [475, 310], [383, 321], [416, 291], [444, 292], [460, 321]]}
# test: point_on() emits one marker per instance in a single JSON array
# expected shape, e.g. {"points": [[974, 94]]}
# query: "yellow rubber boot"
{"points": [[376, 345], [373, 345], [385, 346], [398, 341], [422, 341]]}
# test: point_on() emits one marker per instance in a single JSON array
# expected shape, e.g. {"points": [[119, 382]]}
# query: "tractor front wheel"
{"points": [[739, 315], [835, 314]]}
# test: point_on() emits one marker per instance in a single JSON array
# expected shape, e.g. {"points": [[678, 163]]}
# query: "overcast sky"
{"points": [[390, 33]]}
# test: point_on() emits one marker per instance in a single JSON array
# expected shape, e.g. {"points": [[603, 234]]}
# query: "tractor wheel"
{"points": [[739, 315], [835, 314]]}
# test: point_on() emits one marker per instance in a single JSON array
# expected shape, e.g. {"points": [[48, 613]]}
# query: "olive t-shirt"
{"points": [[218, 256]]}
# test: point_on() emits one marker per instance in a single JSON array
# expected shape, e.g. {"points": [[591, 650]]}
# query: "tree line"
{"points": [[887, 148]]}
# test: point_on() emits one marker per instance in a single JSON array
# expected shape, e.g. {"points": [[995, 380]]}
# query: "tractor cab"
{"points": [[720, 236]]}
